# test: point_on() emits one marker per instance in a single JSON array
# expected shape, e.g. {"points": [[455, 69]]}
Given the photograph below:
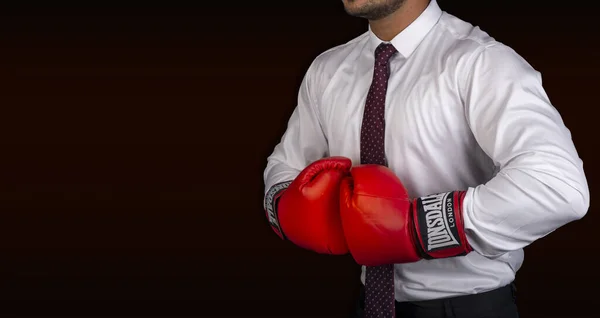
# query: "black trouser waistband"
{"points": [[494, 301], [506, 293]]}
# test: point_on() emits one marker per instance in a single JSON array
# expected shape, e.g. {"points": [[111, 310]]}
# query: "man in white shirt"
{"points": [[424, 106]]}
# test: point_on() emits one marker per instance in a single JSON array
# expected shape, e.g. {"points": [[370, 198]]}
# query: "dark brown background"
{"points": [[134, 140]]}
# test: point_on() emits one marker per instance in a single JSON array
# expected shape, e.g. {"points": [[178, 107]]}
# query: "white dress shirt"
{"points": [[463, 112]]}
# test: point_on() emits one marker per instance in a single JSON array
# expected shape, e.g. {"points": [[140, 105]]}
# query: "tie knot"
{"points": [[384, 52]]}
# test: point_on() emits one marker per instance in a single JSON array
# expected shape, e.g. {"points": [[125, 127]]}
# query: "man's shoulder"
{"points": [[333, 57], [471, 53], [464, 42], [463, 37]]}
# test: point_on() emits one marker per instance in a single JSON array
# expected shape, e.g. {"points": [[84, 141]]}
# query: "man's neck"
{"points": [[387, 28]]}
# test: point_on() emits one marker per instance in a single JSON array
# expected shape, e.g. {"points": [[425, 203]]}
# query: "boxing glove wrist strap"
{"points": [[439, 227], [270, 205]]}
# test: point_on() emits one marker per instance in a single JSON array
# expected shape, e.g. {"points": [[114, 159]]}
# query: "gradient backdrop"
{"points": [[133, 141]]}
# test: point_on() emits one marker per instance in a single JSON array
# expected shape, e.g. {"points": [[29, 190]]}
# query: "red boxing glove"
{"points": [[307, 210], [384, 226]]}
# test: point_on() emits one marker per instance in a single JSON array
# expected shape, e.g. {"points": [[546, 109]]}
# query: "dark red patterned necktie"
{"points": [[379, 281]]}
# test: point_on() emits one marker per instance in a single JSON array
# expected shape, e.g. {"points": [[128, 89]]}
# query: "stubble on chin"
{"points": [[373, 10]]}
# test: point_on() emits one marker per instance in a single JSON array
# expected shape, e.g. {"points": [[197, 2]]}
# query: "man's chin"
{"points": [[364, 14], [372, 10], [355, 7]]}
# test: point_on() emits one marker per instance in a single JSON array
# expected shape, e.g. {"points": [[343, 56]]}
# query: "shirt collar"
{"points": [[408, 40]]}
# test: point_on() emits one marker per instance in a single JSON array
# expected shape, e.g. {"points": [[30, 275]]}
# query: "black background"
{"points": [[133, 141]]}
